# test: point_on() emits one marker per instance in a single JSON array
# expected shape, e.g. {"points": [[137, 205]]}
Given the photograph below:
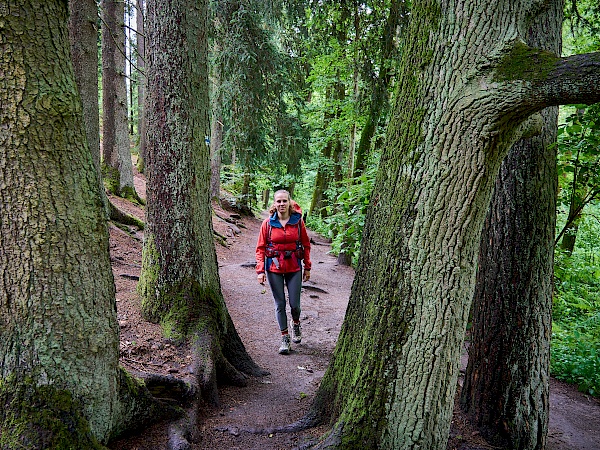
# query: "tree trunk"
{"points": [[506, 384], [118, 168], [317, 205], [179, 282], [466, 87], [141, 64], [567, 243], [506, 390], [216, 142], [59, 336], [83, 36], [216, 129]]}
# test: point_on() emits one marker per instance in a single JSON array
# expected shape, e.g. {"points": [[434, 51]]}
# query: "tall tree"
{"points": [[83, 36], [141, 86], [179, 283], [83, 33], [118, 168], [506, 391], [467, 85], [60, 384], [255, 86]]}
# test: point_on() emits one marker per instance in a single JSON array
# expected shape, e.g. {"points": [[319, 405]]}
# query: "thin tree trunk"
{"points": [[83, 36], [216, 142], [317, 205], [216, 129], [115, 133], [141, 64]]}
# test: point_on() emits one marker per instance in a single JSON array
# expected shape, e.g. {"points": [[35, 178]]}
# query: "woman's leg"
{"points": [[276, 284], [294, 285]]}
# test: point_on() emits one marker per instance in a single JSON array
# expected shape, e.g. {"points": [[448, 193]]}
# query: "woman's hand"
{"points": [[306, 275], [262, 278]]}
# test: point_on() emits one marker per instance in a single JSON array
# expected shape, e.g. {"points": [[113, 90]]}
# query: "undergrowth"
{"points": [[575, 348]]}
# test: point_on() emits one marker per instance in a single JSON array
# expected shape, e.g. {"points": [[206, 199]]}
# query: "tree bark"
{"points": [[57, 303], [118, 171], [467, 84], [141, 64], [216, 143], [83, 33], [179, 282], [83, 36], [317, 204], [61, 386], [216, 129], [506, 390]]}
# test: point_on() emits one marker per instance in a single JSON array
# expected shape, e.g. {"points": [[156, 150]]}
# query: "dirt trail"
{"points": [[285, 395]]}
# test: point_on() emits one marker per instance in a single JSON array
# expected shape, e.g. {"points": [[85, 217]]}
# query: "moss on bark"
{"points": [[177, 306], [112, 179], [41, 417], [525, 63]]}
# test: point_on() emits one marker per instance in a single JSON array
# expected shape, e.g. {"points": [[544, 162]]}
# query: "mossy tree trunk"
{"points": [[467, 84], [60, 384], [117, 165], [179, 282], [57, 303], [506, 390]]}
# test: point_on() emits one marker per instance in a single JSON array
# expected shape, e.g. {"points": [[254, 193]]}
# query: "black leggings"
{"points": [[293, 280]]}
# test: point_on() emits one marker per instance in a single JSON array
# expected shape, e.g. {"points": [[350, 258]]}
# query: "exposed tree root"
{"points": [[219, 359], [140, 408], [119, 216]]}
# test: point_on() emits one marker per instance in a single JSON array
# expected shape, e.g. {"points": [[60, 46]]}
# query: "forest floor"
{"points": [[285, 395]]}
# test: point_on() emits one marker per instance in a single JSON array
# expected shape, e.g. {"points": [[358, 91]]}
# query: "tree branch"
{"points": [[574, 79], [545, 79]]}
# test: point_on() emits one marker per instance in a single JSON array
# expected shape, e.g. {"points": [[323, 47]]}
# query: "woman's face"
{"points": [[282, 203]]}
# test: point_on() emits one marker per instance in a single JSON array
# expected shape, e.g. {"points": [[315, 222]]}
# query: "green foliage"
{"points": [[261, 114], [578, 164], [575, 345], [581, 31], [575, 357], [347, 218]]}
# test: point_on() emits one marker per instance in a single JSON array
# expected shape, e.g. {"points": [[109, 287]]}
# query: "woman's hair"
{"points": [[273, 207]]}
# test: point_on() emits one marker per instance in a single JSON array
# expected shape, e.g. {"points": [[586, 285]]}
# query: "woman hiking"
{"points": [[283, 244]]}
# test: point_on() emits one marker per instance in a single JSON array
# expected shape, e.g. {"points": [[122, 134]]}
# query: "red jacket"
{"points": [[282, 240]]}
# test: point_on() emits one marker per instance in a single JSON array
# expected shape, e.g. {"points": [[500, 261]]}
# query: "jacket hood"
{"points": [[294, 219]]}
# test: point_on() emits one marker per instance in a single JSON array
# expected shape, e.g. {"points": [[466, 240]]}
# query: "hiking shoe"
{"points": [[285, 346], [297, 329]]}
